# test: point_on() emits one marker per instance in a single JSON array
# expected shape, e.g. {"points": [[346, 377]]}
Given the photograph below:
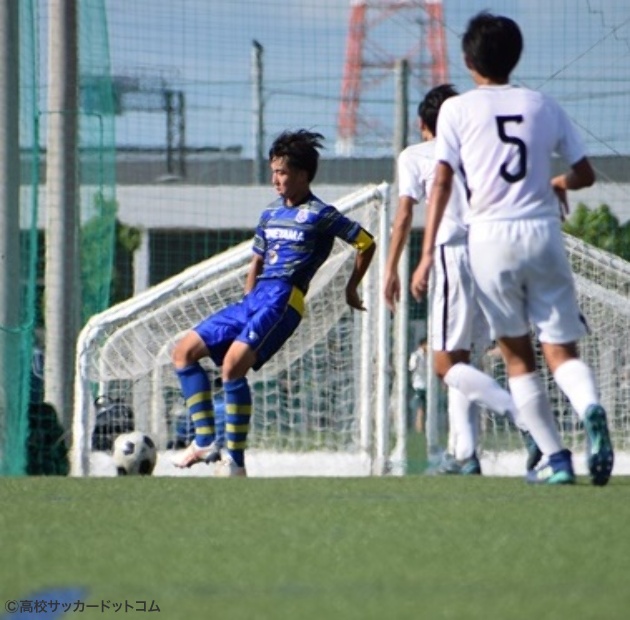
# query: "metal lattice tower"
{"points": [[379, 34]]}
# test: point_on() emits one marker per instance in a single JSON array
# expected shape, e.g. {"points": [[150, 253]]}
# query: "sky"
{"points": [[576, 50]]}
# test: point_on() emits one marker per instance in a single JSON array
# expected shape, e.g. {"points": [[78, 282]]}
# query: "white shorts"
{"points": [[457, 322], [524, 279]]}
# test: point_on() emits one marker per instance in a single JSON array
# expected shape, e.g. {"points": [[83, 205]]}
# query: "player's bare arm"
{"points": [[255, 269], [581, 175], [362, 261], [400, 233], [436, 206]]}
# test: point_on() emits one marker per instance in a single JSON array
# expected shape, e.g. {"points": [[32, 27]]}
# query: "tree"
{"points": [[106, 248], [600, 228]]}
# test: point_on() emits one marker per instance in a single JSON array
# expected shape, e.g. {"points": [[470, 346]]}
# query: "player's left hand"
{"points": [[353, 299], [420, 278]]}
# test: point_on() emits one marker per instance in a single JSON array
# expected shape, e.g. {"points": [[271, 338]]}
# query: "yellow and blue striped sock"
{"points": [[238, 411], [198, 395]]}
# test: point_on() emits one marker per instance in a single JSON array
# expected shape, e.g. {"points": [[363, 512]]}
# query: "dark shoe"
{"points": [[466, 467], [600, 455], [558, 470], [534, 454]]}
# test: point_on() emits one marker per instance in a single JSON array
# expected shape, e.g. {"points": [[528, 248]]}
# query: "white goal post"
{"points": [[320, 406], [603, 288]]}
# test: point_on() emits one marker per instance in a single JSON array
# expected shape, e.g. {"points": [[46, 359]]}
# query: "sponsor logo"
{"points": [[284, 233]]}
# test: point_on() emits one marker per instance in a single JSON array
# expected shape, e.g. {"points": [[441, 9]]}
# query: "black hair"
{"points": [[492, 44], [430, 106], [300, 150]]}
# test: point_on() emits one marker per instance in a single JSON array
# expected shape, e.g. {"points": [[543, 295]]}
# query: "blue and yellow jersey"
{"points": [[295, 241]]}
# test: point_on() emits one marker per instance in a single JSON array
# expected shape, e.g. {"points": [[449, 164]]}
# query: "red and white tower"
{"points": [[380, 33]]}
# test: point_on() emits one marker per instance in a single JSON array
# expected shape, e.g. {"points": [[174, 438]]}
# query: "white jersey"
{"points": [[504, 138], [416, 173]]}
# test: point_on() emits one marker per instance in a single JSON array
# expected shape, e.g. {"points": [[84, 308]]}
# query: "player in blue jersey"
{"points": [[293, 238]]}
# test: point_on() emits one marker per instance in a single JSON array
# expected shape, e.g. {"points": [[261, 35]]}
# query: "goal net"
{"points": [[317, 406], [603, 289]]}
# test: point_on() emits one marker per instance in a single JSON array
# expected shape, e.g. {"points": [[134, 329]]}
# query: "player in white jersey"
{"points": [[504, 138], [457, 323]]}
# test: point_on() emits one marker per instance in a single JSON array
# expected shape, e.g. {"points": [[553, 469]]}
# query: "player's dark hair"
{"points": [[430, 106], [492, 44], [300, 150]]}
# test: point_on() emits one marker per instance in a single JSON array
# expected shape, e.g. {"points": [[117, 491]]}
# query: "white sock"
{"points": [[535, 411], [451, 441], [480, 388], [577, 381], [462, 417]]}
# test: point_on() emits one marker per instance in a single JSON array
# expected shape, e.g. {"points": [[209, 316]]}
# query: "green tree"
{"points": [[107, 246], [97, 240], [600, 228], [128, 240]]}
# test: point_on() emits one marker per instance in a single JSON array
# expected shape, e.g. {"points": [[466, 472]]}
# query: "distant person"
{"points": [[294, 237], [504, 139], [418, 370]]}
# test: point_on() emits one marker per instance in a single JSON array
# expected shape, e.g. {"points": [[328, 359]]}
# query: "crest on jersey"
{"points": [[302, 216], [273, 257]]}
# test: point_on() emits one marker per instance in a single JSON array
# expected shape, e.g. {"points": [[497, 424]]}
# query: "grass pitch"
{"points": [[388, 548]]}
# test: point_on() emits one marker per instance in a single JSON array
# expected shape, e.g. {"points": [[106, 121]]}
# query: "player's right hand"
{"points": [[353, 299], [420, 278], [561, 193], [391, 290]]}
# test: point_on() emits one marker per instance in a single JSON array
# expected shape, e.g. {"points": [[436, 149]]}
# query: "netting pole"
{"points": [[11, 406], [62, 310], [383, 343], [365, 374], [258, 158], [401, 318], [79, 454], [401, 110]]}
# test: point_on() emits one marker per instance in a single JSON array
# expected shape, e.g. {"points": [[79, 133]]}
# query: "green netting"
{"points": [[17, 326], [32, 438], [96, 159]]}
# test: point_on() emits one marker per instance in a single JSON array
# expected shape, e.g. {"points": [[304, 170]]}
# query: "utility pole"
{"points": [[258, 177]]}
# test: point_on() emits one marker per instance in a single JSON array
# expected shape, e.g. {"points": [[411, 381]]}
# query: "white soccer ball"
{"points": [[134, 454]]}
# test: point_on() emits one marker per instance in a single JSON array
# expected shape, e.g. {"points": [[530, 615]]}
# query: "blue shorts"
{"points": [[264, 319]]}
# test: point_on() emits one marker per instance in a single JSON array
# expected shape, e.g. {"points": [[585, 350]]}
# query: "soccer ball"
{"points": [[134, 454]]}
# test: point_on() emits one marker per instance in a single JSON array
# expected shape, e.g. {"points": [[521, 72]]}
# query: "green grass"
{"points": [[414, 547]]}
